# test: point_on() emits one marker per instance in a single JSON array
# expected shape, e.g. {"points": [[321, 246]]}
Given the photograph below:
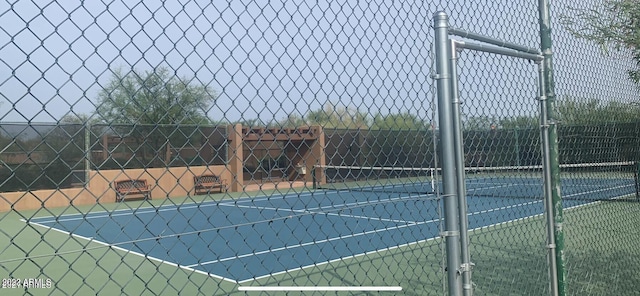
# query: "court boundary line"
{"points": [[196, 204], [391, 247], [603, 189], [186, 267], [422, 241], [143, 210], [347, 257], [314, 242], [192, 205], [310, 212], [590, 203], [190, 267], [127, 251], [320, 209], [175, 208]]}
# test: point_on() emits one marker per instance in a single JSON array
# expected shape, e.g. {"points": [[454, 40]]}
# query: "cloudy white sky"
{"points": [[269, 59]]}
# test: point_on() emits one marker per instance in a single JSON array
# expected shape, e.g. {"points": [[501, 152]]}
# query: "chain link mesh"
{"points": [[598, 109], [199, 147]]}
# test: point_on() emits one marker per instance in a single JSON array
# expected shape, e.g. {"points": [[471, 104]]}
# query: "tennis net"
{"points": [[615, 181], [376, 179]]}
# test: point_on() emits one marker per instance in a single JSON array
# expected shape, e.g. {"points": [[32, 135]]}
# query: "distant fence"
{"points": [[55, 164], [491, 147]]}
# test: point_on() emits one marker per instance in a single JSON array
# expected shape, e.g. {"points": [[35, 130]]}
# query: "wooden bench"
{"points": [[127, 187], [205, 183]]}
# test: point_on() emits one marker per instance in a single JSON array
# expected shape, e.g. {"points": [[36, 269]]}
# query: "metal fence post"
{"points": [[545, 48], [443, 77], [466, 266], [548, 190]]}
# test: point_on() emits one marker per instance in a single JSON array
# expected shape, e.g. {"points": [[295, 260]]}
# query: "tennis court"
{"points": [[240, 240]]}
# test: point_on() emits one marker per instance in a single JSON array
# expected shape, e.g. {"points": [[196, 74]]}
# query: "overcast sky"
{"points": [[267, 60]]}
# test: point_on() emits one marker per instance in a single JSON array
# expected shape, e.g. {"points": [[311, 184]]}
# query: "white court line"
{"points": [[213, 203], [538, 215], [164, 208], [401, 245], [109, 214], [318, 212], [173, 207], [196, 204], [299, 245], [191, 205], [345, 205], [127, 251], [339, 259], [504, 208], [190, 267], [496, 186], [600, 190], [155, 210]]}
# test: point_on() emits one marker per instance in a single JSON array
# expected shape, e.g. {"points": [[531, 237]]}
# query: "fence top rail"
{"points": [[496, 50], [490, 40]]}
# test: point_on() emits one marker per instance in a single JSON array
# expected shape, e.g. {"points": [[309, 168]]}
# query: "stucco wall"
{"points": [[165, 183]]}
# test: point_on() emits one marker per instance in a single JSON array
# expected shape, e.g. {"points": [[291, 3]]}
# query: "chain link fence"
{"points": [[241, 147]]}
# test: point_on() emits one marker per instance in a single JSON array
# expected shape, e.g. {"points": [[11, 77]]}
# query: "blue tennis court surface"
{"points": [[245, 239]]}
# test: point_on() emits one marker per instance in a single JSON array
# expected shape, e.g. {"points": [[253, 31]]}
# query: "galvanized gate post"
{"points": [[451, 231], [466, 266]]}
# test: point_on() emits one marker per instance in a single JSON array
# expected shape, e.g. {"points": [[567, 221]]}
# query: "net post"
{"points": [[443, 82], [636, 174], [313, 177], [87, 152], [516, 137]]}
